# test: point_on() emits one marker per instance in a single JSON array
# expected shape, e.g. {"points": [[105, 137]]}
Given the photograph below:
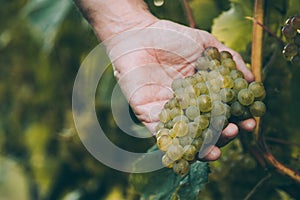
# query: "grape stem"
{"points": [[189, 14], [256, 62]]}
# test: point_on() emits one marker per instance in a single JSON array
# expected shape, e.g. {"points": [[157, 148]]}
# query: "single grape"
{"points": [[218, 108], [180, 118], [202, 121], [203, 63], [257, 88], [211, 53], [229, 63], [185, 140], [202, 88], [164, 142], [245, 97], [258, 109], [223, 70], [164, 115], [289, 31], [227, 82], [175, 112], [172, 103], [162, 131], [219, 122], [214, 85], [213, 75], [198, 77], [175, 152], [214, 64], [181, 167], [197, 142], [290, 50], [237, 109], [225, 55], [180, 128], [227, 95], [215, 96], [204, 102], [227, 111], [177, 83], [240, 84], [183, 101], [192, 112], [295, 22], [189, 152], [235, 74], [191, 80], [167, 162], [159, 126], [194, 130]]}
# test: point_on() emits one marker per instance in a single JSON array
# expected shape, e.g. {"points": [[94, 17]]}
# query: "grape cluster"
{"points": [[291, 31], [202, 105]]}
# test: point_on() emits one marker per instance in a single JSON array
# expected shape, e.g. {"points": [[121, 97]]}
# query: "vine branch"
{"points": [[256, 62], [189, 14]]}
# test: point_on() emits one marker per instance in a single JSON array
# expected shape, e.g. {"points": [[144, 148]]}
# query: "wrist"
{"points": [[111, 17]]}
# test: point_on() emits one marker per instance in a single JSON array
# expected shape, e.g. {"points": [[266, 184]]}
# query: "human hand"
{"points": [[147, 60]]}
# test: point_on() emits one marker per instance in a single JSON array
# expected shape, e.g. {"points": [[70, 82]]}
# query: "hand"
{"points": [[145, 74]]}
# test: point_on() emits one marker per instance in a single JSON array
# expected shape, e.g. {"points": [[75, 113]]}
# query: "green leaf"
{"points": [[46, 16], [232, 28], [165, 184]]}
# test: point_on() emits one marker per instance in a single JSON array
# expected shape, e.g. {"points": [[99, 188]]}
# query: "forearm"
{"points": [[110, 17]]}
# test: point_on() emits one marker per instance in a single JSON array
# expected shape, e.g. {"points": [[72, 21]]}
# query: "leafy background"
{"points": [[43, 42]]}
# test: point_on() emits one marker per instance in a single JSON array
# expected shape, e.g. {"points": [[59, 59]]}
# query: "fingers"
{"points": [[213, 155], [248, 124]]}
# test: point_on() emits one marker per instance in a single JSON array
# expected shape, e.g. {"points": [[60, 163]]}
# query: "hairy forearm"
{"points": [[110, 17]]}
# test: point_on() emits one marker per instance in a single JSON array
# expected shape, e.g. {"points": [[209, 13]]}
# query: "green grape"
{"points": [[202, 121], [237, 109], [229, 63], [193, 102], [179, 92], [189, 152], [193, 130], [288, 31], [164, 142], [246, 114], [180, 118], [164, 115], [185, 140], [181, 167], [191, 80], [218, 108], [227, 95], [295, 22], [235, 74], [290, 50], [213, 75], [240, 84], [202, 63], [227, 111], [245, 97], [183, 101], [175, 152], [159, 126], [180, 128], [211, 53], [175, 112], [177, 83], [257, 88], [219, 122], [197, 142], [227, 82], [204, 74], [223, 70], [258, 109], [162, 131], [214, 85], [198, 77], [192, 112], [169, 124], [225, 55], [167, 162], [214, 64], [204, 102], [208, 136], [172, 103], [215, 96]]}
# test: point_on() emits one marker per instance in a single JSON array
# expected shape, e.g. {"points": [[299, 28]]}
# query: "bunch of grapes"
{"points": [[291, 31], [202, 106]]}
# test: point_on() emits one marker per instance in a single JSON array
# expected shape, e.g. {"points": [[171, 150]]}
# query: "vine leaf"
{"points": [[46, 16], [165, 184], [232, 28]]}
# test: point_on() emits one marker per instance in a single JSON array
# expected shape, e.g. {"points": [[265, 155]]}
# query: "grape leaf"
{"points": [[232, 28], [46, 16], [165, 184]]}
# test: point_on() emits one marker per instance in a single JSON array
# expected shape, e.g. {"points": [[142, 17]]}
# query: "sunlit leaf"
{"points": [[232, 28]]}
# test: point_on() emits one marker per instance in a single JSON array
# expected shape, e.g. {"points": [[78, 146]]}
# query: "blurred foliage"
{"points": [[41, 155]]}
